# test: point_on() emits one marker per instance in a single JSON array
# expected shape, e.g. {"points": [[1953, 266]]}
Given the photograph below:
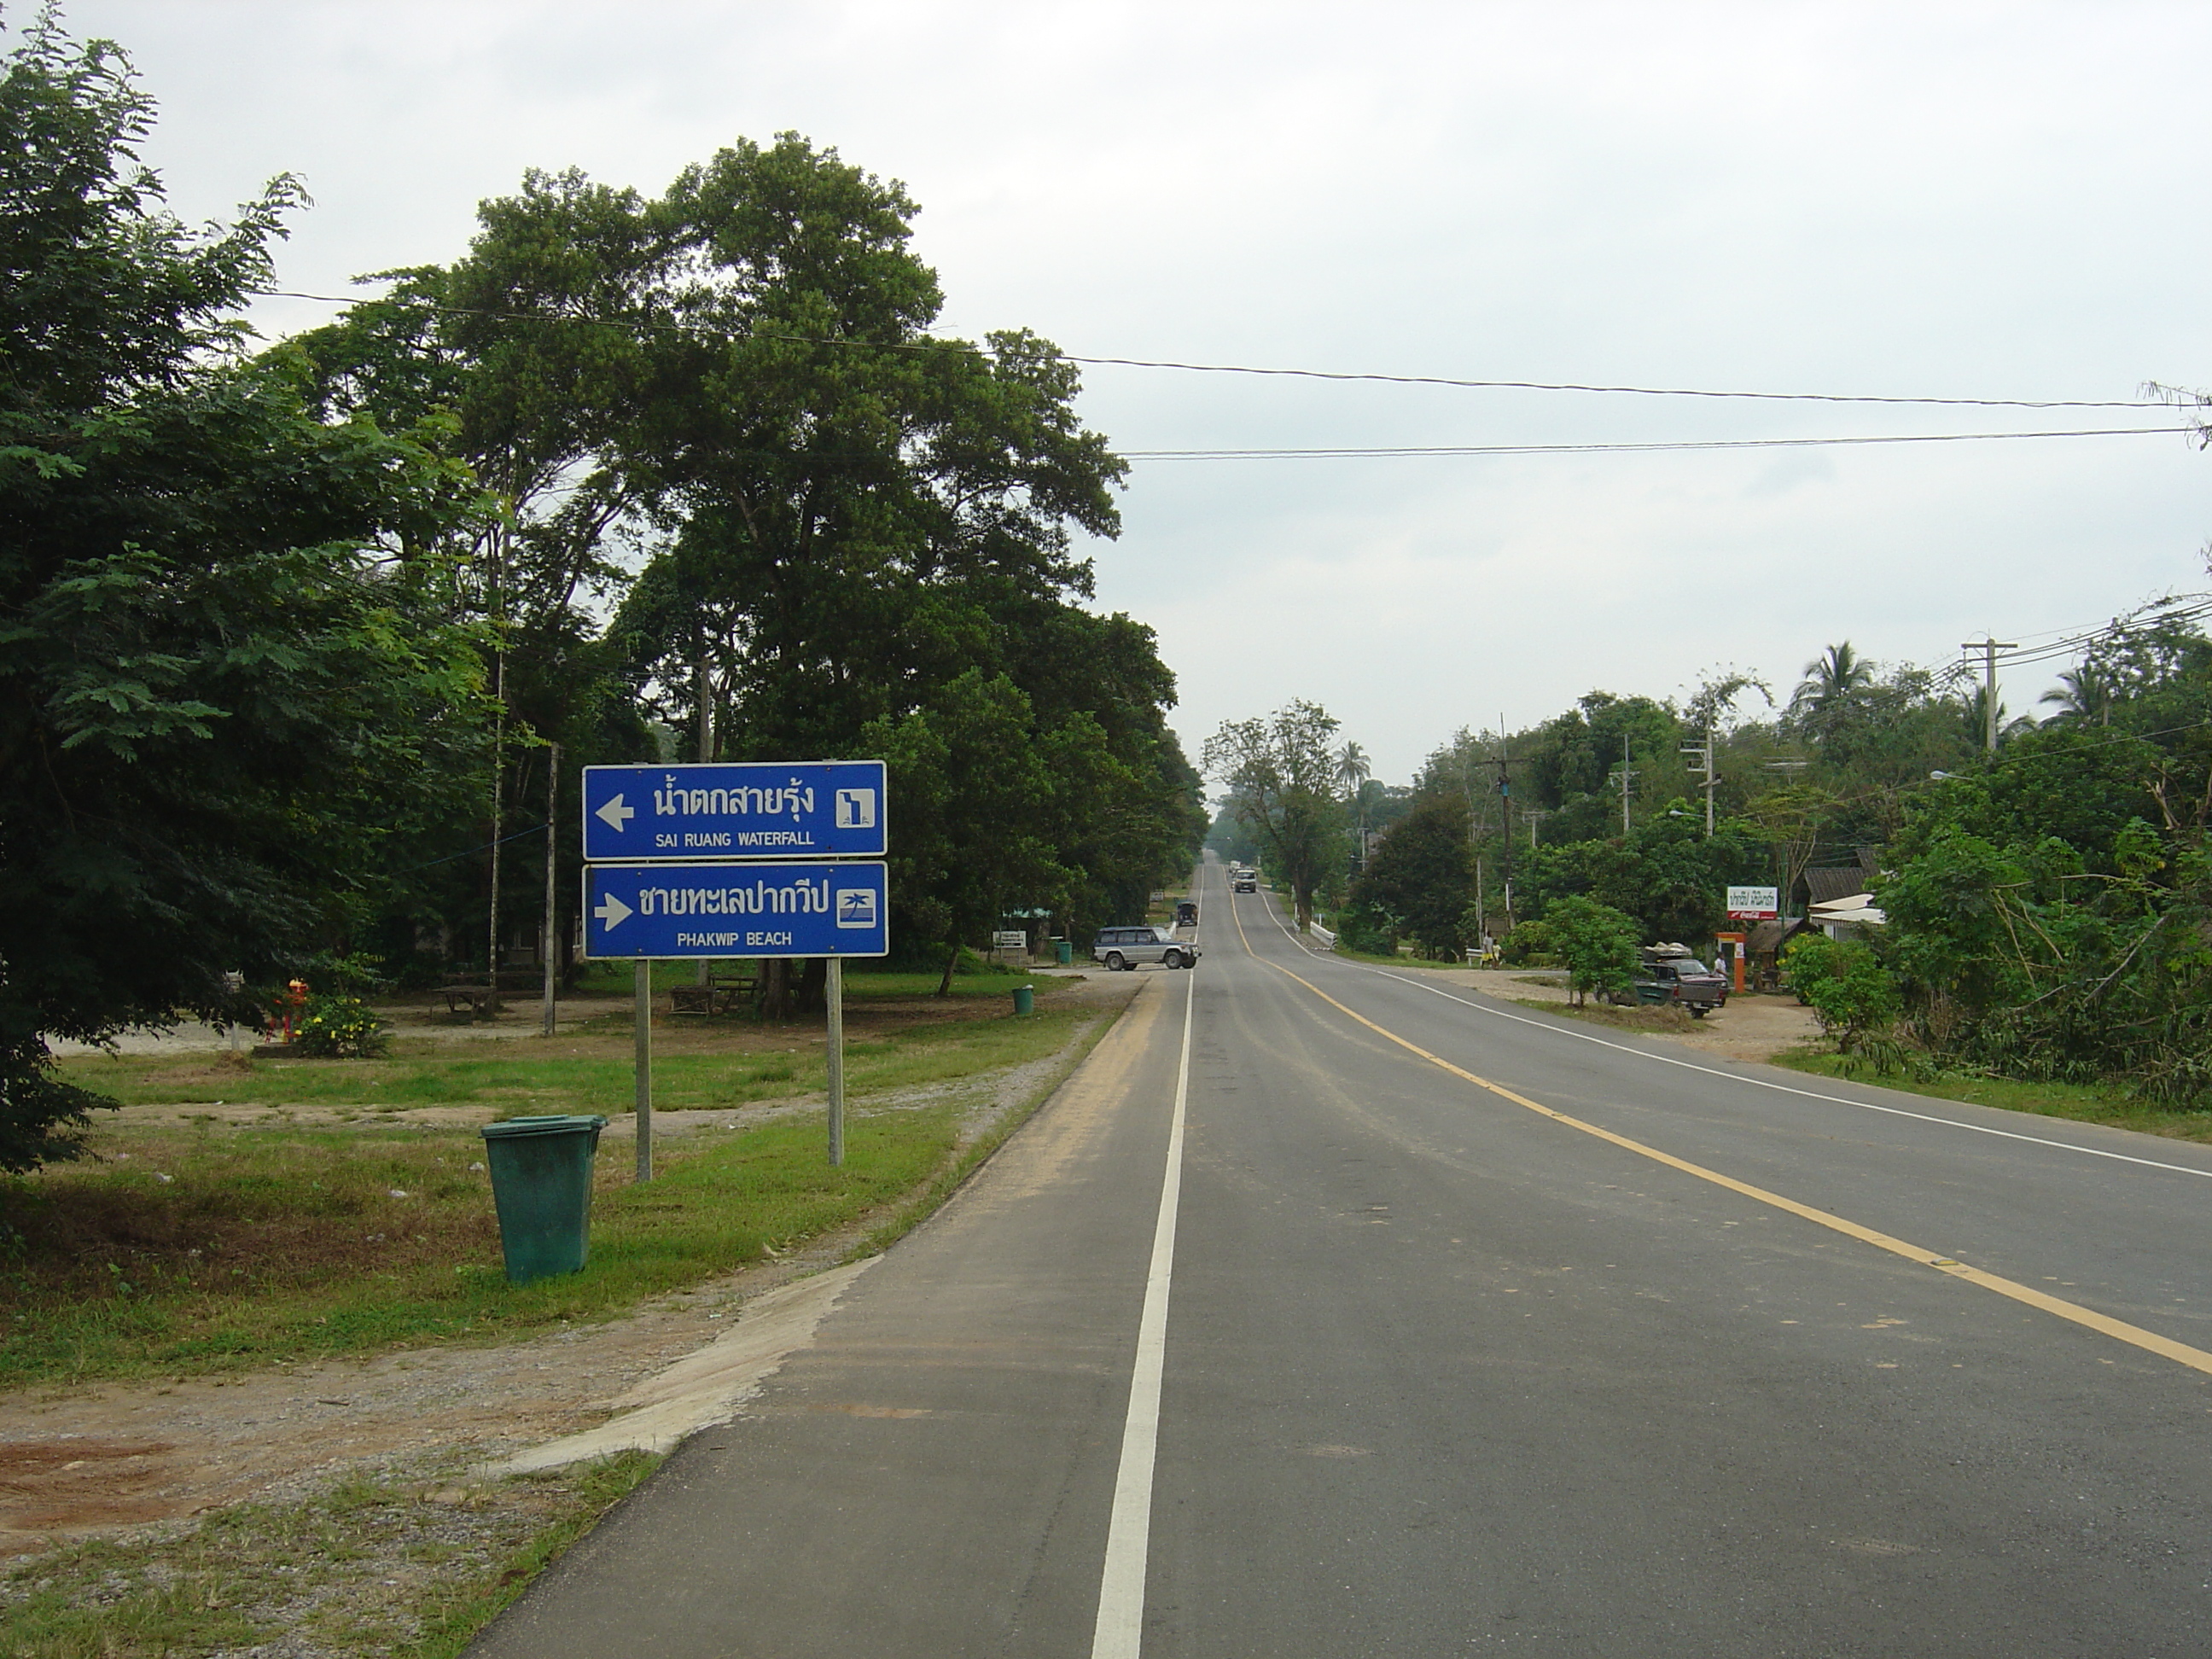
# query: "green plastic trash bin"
{"points": [[1025, 999], [1063, 951], [541, 1181]]}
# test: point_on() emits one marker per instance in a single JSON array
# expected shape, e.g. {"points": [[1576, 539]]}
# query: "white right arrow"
{"points": [[616, 814], [612, 911]]}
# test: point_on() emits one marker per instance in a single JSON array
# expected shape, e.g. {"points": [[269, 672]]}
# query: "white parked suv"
{"points": [[1125, 947]]}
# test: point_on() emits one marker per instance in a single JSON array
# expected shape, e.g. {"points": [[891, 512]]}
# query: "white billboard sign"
{"points": [[1754, 904]]}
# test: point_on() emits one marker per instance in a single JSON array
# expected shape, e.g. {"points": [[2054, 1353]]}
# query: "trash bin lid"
{"points": [[542, 1126]]}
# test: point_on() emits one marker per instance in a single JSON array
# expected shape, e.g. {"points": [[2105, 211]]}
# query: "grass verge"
{"points": [[709, 1069], [1654, 1021], [408, 1560], [2082, 1103], [397, 1563], [272, 1244], [203, 1246], [1401, 960]]}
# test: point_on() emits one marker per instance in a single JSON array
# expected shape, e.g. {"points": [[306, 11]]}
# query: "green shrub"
{"points": [[1598, 944], [1367, 930], [1528, 945], [1850, 992], [339, 1028]]}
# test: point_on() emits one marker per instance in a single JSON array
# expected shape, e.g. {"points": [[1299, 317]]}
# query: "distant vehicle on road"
{"points": [[1185, 914], [1244, 881], [1121, 948]]}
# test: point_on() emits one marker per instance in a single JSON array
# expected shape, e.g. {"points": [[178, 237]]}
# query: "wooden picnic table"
{"points": [[482, 999], [725, 991]]}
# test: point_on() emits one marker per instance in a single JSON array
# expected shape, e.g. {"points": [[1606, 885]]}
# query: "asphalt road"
{"points": [[1471, 1330]]}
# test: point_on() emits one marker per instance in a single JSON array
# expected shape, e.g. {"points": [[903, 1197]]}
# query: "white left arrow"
{"points": [[612, 911], [616, 814]]}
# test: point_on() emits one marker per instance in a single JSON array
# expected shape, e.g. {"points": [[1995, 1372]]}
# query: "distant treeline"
{"points": [[2048, 901]]}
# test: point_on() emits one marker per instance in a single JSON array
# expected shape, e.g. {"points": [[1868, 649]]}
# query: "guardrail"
{"points": [[1328, 939]]}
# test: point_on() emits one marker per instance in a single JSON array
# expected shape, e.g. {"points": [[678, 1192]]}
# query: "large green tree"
{"points": [[1279, 769], [1422, 876], [214, 660], [842, 525], [1667, 874]]}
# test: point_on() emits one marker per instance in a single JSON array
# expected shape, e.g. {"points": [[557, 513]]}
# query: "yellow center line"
{"points": [[2165, 1347]]}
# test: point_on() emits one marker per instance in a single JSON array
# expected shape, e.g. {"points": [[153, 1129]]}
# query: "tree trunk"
{"points": [[812, 995], [945, 985], [776, 989]]}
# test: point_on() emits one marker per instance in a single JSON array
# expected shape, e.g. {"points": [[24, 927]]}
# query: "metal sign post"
{"points": [[836, 1060], [644, 1068]]}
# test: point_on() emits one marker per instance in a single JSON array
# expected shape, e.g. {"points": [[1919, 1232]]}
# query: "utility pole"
{"points": [[1626, 775], [1702, 765], [1712, 773], [1989, 647], [1505, 809], [495, 603], [1532, 817]]}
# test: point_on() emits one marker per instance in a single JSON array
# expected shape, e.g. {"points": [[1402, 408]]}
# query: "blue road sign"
{"points": [[808, 809], [814, 908]]}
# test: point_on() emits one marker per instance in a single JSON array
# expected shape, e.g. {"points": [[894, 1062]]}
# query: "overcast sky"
{"points": [[1964, 201]]}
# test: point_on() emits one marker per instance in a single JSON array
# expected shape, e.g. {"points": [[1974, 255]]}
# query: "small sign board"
{"points": [[1010, 939], [804, 809], [810, 908], [1754, 904]]}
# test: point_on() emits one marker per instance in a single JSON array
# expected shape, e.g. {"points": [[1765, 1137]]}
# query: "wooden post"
{"points": [[545, 948]]}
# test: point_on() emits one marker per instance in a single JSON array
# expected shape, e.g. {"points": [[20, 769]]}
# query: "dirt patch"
{"points": [[81, 1478]]}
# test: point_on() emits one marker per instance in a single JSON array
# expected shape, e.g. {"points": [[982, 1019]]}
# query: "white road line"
{"points": [[1756, 1082], [1120, 1632]]}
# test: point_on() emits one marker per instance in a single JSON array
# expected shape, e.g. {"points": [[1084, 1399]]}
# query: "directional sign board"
{"points": [[812, 809], [814, 908]]}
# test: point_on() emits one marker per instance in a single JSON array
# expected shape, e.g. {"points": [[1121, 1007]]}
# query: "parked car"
{"points": [[1186, 913], [1121, 948], [1669, 974]]}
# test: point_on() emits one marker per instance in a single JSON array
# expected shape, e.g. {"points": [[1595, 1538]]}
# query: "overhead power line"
{"points": [[1344, 375], [1382, 451], [2196, 606]]}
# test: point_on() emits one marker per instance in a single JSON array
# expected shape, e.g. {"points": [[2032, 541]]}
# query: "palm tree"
{"points": [[1353, 770], [1831, 691], [1837, 675], [1973, 720], [2082, 695]]}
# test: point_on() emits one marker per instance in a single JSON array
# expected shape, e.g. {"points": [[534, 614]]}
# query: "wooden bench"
{"points": [[482, 999], [725, 992]]}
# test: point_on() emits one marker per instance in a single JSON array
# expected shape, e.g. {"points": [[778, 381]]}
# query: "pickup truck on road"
{"points": [[1669, 974]]}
